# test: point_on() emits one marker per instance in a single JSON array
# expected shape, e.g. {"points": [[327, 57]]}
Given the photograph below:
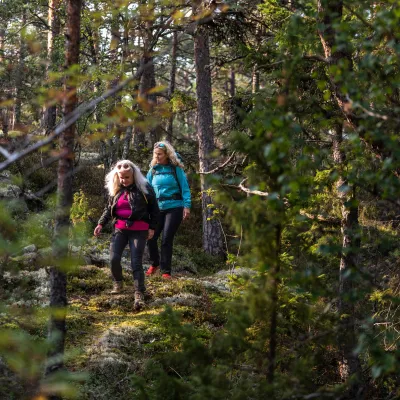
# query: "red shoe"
{"points": [[151, 271], [166, 276]]}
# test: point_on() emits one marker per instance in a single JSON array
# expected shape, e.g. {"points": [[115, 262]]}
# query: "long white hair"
{"points": [[169, 151], [113, 184]]}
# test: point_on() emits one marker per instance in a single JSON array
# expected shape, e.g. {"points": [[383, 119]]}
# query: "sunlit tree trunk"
{"points": [[50, 112], [212, 232], [255, 80], [349, 363], [58, 283]]}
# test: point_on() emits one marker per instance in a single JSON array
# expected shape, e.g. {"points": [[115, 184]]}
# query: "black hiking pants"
{"points": [[168, 224], [137, 243]]}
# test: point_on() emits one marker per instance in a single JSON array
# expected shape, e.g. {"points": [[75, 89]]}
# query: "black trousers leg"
{"points": [[152, 243], [137, 243], [173, 219], [118, 242]]}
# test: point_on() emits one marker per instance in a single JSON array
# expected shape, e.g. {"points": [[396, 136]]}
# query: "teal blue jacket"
{"points": [[165, 185]]}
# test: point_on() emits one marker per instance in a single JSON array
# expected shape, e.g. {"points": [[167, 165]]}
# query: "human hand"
{"points": [[186, 213], [150, 234], [97, 230]]}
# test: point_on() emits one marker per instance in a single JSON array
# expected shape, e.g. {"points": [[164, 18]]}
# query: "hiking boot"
{"points": [[151, 271], [139, 301], [166, 276], [117, 287]]}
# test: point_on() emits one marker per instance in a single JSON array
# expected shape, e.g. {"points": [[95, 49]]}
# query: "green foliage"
{"points": [[182, 102], [81, 216], [80, 210]]}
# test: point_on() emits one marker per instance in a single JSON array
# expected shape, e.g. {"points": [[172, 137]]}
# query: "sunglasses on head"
{"points": [[123, 166], [159, 144]]}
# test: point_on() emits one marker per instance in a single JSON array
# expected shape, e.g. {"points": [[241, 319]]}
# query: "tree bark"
{"points": [[172, 81], [330, 13], [275, 281], [2, 38], [212, 232], [19, 77], [148, 80], [4, 109], [255, 80], [349, 363], [232, 83], [50, 112], [58, 295]]}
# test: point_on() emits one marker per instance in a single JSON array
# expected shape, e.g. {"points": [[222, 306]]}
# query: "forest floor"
{"points": [[112, 342], [108, 343]]}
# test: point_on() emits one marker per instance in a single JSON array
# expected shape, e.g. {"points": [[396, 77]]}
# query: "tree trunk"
{"points": [[50, 113], [212, 232], [172, 80], [349, 363], [2, 38], [330, 13], [274, 281], [148, 80], [127, 143], [58, 283], [232, 83], [4, 121], [255, 80], [3, 110], [109, 148], [19, 78]]}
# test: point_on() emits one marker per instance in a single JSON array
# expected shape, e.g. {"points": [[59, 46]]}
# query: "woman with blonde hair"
{"points": [[134, 211], [170, 184]]}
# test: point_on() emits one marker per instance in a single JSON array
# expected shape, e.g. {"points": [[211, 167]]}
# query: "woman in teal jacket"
{"points": [[169, 182]]}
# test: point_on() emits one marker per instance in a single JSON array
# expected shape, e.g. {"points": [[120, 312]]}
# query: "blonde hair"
{"points": [[113, 184], [169, 151]]}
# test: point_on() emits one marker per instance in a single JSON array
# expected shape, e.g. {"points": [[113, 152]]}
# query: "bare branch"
{"points": [[5, 152], [360, 17], [374, 114], [316, 57], [320, 218], [256, 192], [213, 171]]}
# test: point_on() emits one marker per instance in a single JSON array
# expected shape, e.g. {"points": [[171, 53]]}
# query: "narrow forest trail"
{"points": [[107, 338]]}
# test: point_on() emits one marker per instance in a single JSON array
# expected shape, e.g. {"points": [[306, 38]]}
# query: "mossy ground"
{"points": [[103, 327], [94, 312]]}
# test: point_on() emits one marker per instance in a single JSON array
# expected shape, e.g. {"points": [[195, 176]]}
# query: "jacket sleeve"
{"points": [[105, 217], [180, 174], [152, 207]]}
